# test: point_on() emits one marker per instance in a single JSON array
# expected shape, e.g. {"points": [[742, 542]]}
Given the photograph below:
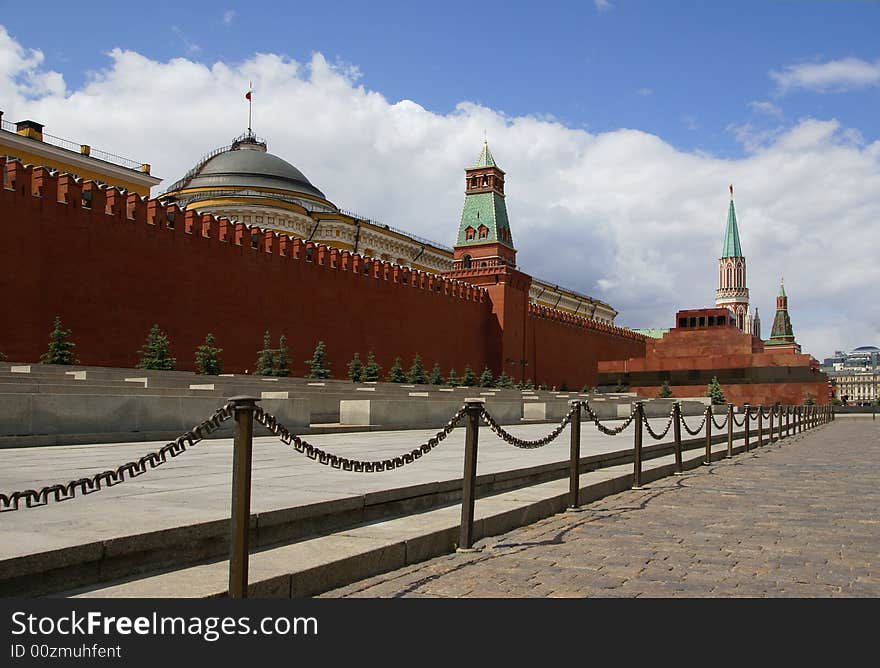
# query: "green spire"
{"points": [[782, 332], [484, 212], [485, 158], [782, 287], [731, 235]]}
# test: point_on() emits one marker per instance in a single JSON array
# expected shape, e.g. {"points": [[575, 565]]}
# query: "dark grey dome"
{"points": [[866, 349], [248, 165]]}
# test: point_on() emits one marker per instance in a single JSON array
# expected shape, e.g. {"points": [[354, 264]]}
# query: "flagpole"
{"points": [[250, 105]]}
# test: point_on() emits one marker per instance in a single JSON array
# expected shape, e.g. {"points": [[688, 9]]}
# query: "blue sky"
{"points": [[686, 71], [619, 124]]}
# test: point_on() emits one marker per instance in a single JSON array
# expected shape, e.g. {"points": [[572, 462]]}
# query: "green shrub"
{"points": [[436, 376], [208, 358], [715, 393], [355, 369], [372, 371], [156, 352], [60, 347], [416, 373], [396, 373], [319, 367], [469, 379]]}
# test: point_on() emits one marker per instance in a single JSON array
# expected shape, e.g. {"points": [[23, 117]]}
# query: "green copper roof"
{"points": [[486, 209], [731, 236], [781, 289], [485, 158]]}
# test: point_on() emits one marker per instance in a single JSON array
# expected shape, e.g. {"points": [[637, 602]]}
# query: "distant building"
{"points": [[25, 141], [855, 375]]}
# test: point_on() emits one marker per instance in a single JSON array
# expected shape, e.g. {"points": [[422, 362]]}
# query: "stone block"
{"points": [[20, 369]]}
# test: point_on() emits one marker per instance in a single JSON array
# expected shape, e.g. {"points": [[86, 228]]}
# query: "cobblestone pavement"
{"points": [[794, 519]]}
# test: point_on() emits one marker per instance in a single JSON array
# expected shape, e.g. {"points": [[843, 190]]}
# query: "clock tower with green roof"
{"points": [[484, 238]]}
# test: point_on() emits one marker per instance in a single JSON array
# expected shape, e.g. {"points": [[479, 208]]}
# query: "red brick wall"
{"points": [[110, 277], [113, 270], [565, 349]]}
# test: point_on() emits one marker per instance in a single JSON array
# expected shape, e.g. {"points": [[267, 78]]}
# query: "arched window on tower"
{"points": [[469, 233], [739, 276], [465, 261], [729, 277]]}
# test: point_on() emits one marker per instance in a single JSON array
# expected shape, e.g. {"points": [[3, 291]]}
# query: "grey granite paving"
{"points": [[798, 518]]}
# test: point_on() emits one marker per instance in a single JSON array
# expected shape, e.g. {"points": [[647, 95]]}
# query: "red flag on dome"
{"points": [[247, 96]]}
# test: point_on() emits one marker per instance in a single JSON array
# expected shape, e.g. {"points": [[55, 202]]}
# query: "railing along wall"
{"points": [[245, 410]]}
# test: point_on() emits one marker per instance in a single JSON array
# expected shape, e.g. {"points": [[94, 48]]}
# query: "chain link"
{"points": [[739, 423], [697, 431], [601, 427], [715, 422], [522, 443], [655, 435], [33, 498], [358, 466]]}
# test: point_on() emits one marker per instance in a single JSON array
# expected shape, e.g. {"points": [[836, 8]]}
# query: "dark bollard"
{"points": [[637, 446], [770, 431], [787, 421], [747, 409], [730, 430], [760, 425], [469, 479], [708, 459], [243, 445], [575, 456], [676, 434]]}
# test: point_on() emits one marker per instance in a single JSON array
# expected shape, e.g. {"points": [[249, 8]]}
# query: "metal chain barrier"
{"points": [[715, 422], [522, 443], [768, 413], [753, 415], [601, 427], [695, 432], [666, 429], [358, 466], [739, 423], [33, 498]]}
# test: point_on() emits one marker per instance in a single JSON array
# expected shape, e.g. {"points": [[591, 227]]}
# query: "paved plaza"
{"points": [[793, 519]]}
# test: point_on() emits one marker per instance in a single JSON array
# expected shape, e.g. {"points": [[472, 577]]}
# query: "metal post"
{"points": [[676, 433], [637, 446], [760, 425], [243, 444], [770, 437], [787, 421], [469, 479], [730, 430], [747, 409], [575, 458], [708, 459]]}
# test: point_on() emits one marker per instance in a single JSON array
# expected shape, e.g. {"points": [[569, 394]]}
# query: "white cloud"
{"points": [[621, 215], [603, 5], [644, 92], [190, 46], [228, 16], [765, 108], [833, 76]]}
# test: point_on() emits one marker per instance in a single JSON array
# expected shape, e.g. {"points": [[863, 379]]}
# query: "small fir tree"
{"points": [[436, 376], [585, 389], [504, 382], [452, 380], [416, 373], [355, 369], [396, 373], [715, 393], [665, 390], [208, 358], [809, 401], [620, 387], [469, 379], [372, 371], [60, 348], [266, 358], [318, 365], [542, 386], [156, 352], [486, 378], [529, 385], [281, 359], [2, 357], [563, 387]]}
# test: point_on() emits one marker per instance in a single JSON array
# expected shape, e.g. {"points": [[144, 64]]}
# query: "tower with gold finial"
{"points": [[732, 291], [484, 237]]}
